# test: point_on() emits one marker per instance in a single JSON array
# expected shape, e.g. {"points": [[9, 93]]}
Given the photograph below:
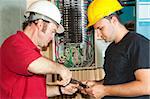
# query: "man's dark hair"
{"points": [[109, 17]]}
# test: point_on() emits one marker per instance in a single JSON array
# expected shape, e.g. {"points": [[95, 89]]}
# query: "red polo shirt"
{"points": [[16, 82]]}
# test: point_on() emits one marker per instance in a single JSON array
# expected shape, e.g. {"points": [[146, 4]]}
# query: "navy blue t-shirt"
{"points": [[123, 59]]}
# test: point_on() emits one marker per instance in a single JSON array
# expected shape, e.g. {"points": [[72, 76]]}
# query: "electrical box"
{"points": [[75, 47]]}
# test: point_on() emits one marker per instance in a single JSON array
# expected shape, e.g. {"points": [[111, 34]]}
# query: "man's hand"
{"points": [[96, 91], [89, 83], [65, 74], [96, 88], [70, 89]]}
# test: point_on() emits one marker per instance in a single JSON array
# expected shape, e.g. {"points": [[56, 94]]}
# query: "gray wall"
{"points": [[11, 17]]}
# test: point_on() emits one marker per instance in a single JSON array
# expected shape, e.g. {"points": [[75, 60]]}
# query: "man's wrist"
{"points": [[61, 70], [106, 89]]}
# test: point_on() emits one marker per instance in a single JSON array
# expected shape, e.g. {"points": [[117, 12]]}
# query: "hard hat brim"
{"points": [[89, 25], [60, 29], [92, 23]]}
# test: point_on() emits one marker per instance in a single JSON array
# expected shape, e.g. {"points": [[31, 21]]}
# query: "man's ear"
{"points": [[39, 24], [114, 20]]}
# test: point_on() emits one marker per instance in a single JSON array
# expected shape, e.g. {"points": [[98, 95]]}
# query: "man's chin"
{"points": [[44, 48]]}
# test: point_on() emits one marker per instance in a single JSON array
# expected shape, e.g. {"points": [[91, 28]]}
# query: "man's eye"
{"points": [[101, 28], [54, 31]]}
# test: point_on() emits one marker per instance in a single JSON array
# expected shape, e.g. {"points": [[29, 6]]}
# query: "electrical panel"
{"points": [[75, 47], [72, 21]]}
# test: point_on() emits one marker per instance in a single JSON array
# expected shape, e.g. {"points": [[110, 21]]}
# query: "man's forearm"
{"points": [[45, 66], [135, 88]]}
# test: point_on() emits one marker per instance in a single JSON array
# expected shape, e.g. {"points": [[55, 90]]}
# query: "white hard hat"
{"points": [[47, 11]]}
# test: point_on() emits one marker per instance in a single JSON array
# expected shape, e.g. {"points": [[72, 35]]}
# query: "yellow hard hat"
{"points": [[100, 8]]}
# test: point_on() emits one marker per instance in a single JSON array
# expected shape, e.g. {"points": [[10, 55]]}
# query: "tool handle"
{"points": [[73, 81]]}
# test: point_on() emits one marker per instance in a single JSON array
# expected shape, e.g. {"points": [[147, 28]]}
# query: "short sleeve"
{"points": [[140, 54], [18, 59]]}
